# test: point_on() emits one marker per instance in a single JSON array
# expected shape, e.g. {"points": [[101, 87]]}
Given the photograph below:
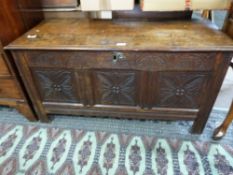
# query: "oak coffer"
{"points": [[157, 70]]}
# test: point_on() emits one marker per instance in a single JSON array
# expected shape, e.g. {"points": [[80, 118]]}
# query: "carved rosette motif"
{"points": [[179, 89], [55, 86], [116, 88]]}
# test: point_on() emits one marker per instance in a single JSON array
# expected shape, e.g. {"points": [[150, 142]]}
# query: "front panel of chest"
{"points": [[116, 87], [122, 79], [57, 85], [179, 89]]}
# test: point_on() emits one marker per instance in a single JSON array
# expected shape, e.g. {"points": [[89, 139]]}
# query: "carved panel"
{"points": [[181, 89], [152, 61], [116, 87], [175, 61], [55, 85]]}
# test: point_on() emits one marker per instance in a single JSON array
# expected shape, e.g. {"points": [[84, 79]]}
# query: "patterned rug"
{"points": [[101, 146]]}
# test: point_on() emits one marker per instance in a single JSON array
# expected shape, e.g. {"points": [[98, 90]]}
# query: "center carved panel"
{"points": [[182, 90], [116, 87], [55, 85]]}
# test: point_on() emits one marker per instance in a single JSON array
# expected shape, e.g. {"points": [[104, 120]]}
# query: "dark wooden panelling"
{"points": [[3, 66], [229, 29], [137, 14], [12, 25], [25, 4], [181, 89], [56, 85], [130, 86], [159, 70], [115, 87], [127, 112], [11, 21], [8, 89], [152, 61]]}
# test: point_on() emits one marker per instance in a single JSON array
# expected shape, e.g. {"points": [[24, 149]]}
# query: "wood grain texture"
{"points": [[134, 112], [153, 61], [38, 4], [106, 89], [80, 71], [3, 67], [221, 66], [181, 89], [114, 87], [138, 14], [12, 21], [27, 80], [12, 92], [116, 35], [26, 110], [8, 89], [56, 85]]}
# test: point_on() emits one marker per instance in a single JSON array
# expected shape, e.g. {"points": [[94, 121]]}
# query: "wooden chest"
{"points": [[156, 70]]}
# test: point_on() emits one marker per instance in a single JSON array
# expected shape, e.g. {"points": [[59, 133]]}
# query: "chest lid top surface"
{"points": [[73, 34]]}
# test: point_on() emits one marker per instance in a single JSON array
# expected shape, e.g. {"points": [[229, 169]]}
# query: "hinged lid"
{"points": [[124, 35]]}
